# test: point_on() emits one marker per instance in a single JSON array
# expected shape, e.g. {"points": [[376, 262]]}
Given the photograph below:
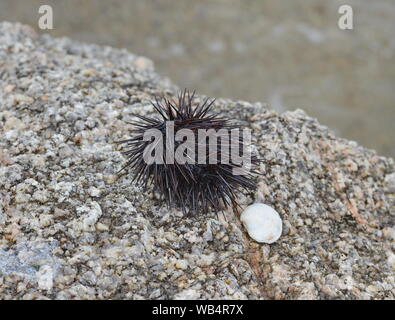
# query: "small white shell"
{"points": [[262, 222]]}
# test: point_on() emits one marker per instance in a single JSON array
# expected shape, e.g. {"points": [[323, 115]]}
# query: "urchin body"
{"points": [[194, 185]]}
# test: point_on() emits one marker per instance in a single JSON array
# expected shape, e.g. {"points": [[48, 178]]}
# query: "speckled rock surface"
{"points": [[70, 228]]}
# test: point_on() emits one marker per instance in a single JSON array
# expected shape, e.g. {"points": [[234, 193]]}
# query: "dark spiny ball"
{"points": [[194, 186]]}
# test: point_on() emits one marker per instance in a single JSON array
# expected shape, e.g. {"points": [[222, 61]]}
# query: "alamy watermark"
{"points": [[188, 146], [45, 22], [345, 22], [346, 19]]}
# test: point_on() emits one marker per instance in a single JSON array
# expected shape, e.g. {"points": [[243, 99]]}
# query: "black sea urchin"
{"points": [[192, 182]]}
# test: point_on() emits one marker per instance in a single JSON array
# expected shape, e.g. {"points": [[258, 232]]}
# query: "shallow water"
{"points": [[290, 54]]}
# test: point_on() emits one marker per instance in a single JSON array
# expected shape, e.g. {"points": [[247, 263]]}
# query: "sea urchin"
{"points": [[190, 155]]}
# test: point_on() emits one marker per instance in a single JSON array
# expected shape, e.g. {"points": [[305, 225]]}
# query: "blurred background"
{"points": [[290, 54]]}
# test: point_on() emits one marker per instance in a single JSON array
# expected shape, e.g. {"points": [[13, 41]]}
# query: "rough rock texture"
{"points": [[70, 227]]}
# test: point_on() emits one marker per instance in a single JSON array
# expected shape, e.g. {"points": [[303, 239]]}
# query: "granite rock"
{"points": [[71, 227]]}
